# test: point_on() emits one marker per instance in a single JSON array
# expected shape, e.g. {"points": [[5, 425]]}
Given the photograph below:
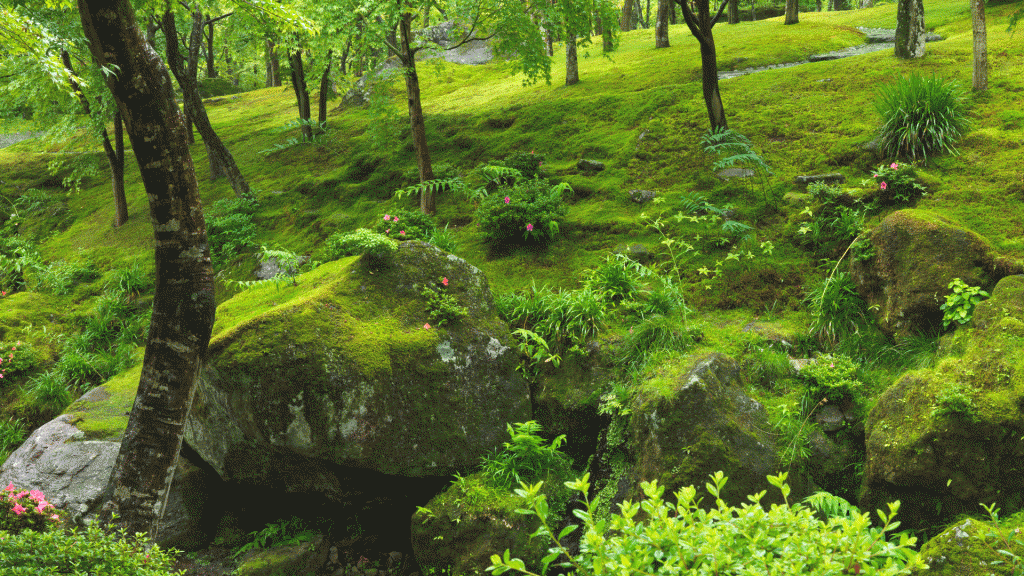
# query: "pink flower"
{"points": [[426, 326], [42, 506], [18, 509], [395, 219], [402, 233], [444, 281], [36, 496], [21, 494], [10, 487], [884, 185], [387, 217], [894, 166], [54, 517], [529, 227], [507, 199], [388, 231]]}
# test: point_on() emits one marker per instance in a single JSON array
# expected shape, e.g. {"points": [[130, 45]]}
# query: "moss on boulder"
{"points": [[971, 547], [343, 370], [917, 254], [945, 439]]}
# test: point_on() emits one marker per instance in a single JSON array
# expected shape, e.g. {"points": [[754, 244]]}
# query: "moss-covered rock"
{"points": [[343, 369], [945, 439], [688, 424], [303, 559], [972, 547], [917, 254], [460, 528]]}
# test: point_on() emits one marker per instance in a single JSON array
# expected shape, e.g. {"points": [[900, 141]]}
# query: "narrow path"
{"points": [[875, 39]]}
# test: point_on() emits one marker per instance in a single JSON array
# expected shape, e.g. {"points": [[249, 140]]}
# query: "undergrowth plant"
{"points": [[378, 248], [528, 211], [87, 551], [736, 150], [897, 184], [959, 304], [833, 377], [279, 533], [836, 309], [526, 457], [684, 538], [12, 434], [402, 224], [230, 228], [920, 116], [442, 306], [836, 221]]}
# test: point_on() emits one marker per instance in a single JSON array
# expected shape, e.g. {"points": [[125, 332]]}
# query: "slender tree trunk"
{"points": [[183, 306], [980, 78], [607, 39], [115, 158], [661, 25], [549, 42], [215, 148], [273, 65], [211, 71], [700, 24], [325, 89], [626, 22], [416, 123], [572, 70], [792, 12], [734, 11], [910, 31], [301, 93]]}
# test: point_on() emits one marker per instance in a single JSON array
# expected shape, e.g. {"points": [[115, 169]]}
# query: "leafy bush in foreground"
{"points": [[683, 538], [90, 551]]}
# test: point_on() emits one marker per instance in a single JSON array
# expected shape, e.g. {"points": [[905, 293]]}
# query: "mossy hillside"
{"points": [[344, 367], [973, 547], [914, 450]]}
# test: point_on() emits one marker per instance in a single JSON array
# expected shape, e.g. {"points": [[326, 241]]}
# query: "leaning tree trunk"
{"points": [[700, 24], [216, 150], [301, 93], [661, 24], [980, 78], [910, 32], [572, 69], [325, 88], [184, 305], [416, 123], [792, 12]]}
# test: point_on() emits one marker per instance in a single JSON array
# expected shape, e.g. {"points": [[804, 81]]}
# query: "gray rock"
{"points": [[590, 165], [642, 196], [730, 173], [830, 418], [832, 178]]}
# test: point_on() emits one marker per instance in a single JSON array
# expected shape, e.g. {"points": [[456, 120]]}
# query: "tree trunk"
{"points": [[419, 129], [792, 12], [549, 43], [734, 11], [216, 151], [325, 89], [626, 22], [183, 306], [572, 70], [273, 66], [700, 24], [301, 93], [980, 79], [211, 71], [661, 25], [115, 158], [910, 30]]}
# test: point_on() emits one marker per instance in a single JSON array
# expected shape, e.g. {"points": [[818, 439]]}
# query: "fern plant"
{"points": [[734, 149]]}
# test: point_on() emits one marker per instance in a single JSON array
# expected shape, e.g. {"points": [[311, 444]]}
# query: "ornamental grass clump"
{"points": [[921, 116]]}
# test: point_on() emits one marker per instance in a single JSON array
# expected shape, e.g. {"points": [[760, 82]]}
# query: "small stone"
{"points": [[590, 165], [642, 196]]}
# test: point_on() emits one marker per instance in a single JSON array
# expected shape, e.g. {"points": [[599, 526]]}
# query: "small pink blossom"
{"points": [[18, 509], [54, 517], [388, 231], [36, 496], [10, 487], [894, 166], [507, 199], [529, 227], [426, 326], [444, 281], [395, 219], [883, 185], [401, 233], [387, 217]]}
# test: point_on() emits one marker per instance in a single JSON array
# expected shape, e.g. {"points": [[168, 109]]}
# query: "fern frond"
{"points": [[830, 505]]}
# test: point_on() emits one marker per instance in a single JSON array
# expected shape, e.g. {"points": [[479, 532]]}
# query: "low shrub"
{"points": [[528, 212], [526, 457], [959, 304], [897, 184], [404, 225], [26, 510], [378, 247], [564, 319], [832, 377], [920, 116], [836, 309], [90, 551]]}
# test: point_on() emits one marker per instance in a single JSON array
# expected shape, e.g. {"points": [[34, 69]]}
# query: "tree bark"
{"points": [[416, 123], [980, 77], [626, 22], [211, 71], [734, 12], [700, 24], [910, 30], [183, 306], [661, 25], [792, 12], [301, 93], [273, 77], [572, 70], [325, 88], [221, 160], [115, 157]]}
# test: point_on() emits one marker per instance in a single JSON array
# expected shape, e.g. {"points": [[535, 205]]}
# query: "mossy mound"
{"points": [[342, 369], [972, 548], [689, 424], [944, 440], [917, 254]]}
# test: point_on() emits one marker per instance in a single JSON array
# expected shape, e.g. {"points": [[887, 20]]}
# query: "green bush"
{"points": [[836, 220], [832, 377], [90, 551], [920, 116], [527, 457], [897, 184], [407, 225], [684, 538], [17, 359], [653, 334], [528, 212], [26, 510], [18, 257], [377, 247], [959, 305], [230, 228], [12, 434], [48, 392], [280, 533], [955, 401], [614, 279], [836, 309], [442, 307], [563, 319]]}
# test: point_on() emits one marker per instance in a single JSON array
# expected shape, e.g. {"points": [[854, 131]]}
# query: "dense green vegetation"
{"points": [[717, 255]]}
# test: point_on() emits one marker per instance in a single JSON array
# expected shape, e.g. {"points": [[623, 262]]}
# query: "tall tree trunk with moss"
{"points": [[221, 160], [661, 24], [700, 23], [980, 35], [910, 31], [572, 69], [626, 21], [407, 55], [301, 93], [273, 65], [325, 89], [183, 305], [792, 12]]}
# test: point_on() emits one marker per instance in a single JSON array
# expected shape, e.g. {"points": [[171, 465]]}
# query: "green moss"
{"points": [[105, 416]]}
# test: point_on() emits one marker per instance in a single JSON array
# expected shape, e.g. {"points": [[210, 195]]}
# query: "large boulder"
{"points": [[972, 547], [945, 439], [343, 370], [917, 254], [687, 425]]}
